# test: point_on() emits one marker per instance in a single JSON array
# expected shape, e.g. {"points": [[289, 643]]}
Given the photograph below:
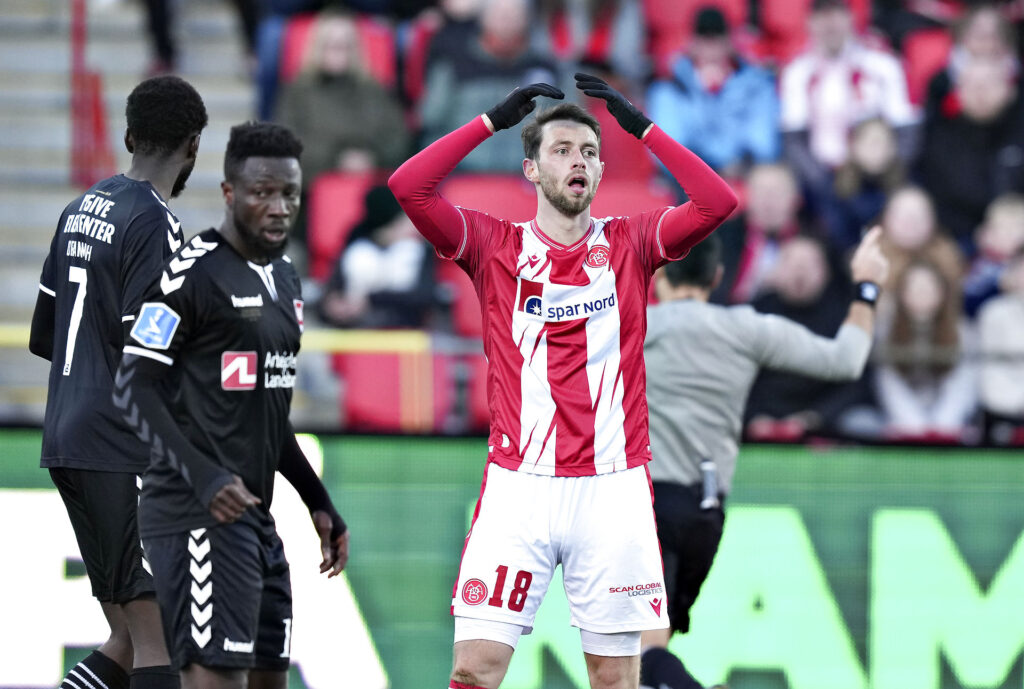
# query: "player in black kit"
{"points": [[110, 244], [206, 378]]}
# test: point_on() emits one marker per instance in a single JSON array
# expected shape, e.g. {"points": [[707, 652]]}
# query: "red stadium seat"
{"points": [[510, 197], [925, 52], [377, 36], [297, 35], [335, 207], [391, 392], [466, 318]]}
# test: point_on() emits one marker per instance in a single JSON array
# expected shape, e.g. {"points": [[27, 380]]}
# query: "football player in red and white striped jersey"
{"points": [[563, 300]]}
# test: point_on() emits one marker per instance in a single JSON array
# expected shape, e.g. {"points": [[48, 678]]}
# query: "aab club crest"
{"points": [[474, 592], [598, 256]]}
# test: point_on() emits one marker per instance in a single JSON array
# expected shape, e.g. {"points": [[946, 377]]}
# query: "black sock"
{"points": [[156, 677], [659, 668], [96, 670]]}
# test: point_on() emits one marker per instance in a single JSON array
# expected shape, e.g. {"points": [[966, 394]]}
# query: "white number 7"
{"points": [[75, 274]]}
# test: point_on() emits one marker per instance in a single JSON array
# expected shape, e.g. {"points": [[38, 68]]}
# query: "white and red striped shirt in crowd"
{"points": [[564, 326]]}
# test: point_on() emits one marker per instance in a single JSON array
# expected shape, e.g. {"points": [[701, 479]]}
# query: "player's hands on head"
{"points": [[232, 501], [625, 113], [519, 104], [869, 262], [333, 543]]}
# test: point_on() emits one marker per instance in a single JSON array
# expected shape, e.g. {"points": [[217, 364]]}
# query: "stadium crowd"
{"points": [[826, 116]]}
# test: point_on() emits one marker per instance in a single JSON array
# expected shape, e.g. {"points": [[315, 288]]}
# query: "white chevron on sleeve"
{"points": [[178, 264], [174, 234], [198, 243], [167, 285]]}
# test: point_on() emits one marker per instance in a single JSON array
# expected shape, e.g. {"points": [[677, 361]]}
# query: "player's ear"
{"points": [[193, 146], [227, 190], [129, 142], [530, 169]]}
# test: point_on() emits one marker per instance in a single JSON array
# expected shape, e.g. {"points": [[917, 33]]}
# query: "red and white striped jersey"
{"points": [[564, 328]]}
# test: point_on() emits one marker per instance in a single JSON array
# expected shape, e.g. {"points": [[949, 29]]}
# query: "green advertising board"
{"points": [[880, 568]]}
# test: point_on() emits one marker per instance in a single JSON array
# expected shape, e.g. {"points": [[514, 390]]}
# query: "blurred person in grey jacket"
{"points": [[701, 360]]}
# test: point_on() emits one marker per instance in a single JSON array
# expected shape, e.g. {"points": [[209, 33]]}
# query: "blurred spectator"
{"points": [[346, 119], [161, 25], [973, 150], [1001, 342], [863, 183], [803, 288], [384, 277], [269, 39], [900, 18], [982, 32], [610, 33], [926, 378], [752, 240], [466, 80], [911, 232], [459, 23], [998, 239], [717, 104], [837, 82]]}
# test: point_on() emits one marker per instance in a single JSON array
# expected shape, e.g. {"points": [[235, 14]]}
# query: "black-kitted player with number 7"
{"points": [[110, 244]]}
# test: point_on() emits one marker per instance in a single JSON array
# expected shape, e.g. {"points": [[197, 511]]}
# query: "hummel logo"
{"points": [[238, 646], [656, 606], [243, 302]]}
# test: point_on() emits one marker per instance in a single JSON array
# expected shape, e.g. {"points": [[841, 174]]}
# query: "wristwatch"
{"points": [[867, 292]]}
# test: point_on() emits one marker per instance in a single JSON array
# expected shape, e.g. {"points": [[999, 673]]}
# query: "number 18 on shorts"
{"points": [[599, 528]]}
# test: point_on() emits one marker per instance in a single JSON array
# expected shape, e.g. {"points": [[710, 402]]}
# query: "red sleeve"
{"points": [[711, 198], [415, 184]]}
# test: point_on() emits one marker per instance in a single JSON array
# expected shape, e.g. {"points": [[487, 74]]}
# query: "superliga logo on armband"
{"points": [[155, 326]]}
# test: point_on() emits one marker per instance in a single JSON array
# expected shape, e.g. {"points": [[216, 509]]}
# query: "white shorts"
{"points": [[599, 528]]}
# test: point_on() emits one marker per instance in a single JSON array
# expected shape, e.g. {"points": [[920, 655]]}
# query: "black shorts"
{"points": [[103, 508], [225, 597], [689, 539]]}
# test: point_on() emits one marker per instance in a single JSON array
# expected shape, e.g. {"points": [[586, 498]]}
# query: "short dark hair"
{"points": [[163, 113], [258, 140], [710, 22], [699, 267], [563, 111], [824, 5]]}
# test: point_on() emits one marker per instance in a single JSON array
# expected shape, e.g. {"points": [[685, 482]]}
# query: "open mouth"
{"points": [[578, 184], [275, 234]]}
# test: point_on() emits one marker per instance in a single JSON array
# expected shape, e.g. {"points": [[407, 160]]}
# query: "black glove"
{"points": [[519, 104], [629, 118]]}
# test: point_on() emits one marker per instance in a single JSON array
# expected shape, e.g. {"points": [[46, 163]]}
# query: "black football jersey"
{"points": [[230, 331], [110, 245]]}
